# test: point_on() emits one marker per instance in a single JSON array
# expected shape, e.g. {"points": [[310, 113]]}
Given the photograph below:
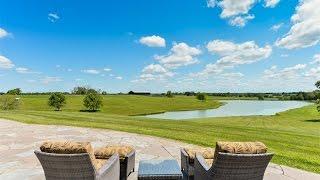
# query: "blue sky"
{"points": [[195, 45]]}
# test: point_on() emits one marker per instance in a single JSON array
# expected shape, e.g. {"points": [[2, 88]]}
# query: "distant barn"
{"points": [[139, 93]]}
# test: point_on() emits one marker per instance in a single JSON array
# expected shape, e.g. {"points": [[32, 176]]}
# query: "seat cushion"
{"points": [[207, 153], [99, 163], [70, 147], [66, 147], [209, 161], [108, 151], [241, 147]]}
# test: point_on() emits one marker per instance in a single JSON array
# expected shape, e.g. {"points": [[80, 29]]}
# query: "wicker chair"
{"points": [[187, 166], [127, 165], [127, 158], [232, 166], [77, 166]]}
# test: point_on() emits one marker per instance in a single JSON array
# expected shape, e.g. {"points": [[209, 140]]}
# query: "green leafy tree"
{"points": [[260, 97], [9, 102], [317, 84], [92, 91], [201, 96], [80, 90], [104, 93], [169, 94], [93, 101], [57, 100], [16, 91]]}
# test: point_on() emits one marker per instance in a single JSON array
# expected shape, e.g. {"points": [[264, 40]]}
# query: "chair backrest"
{"points": [[240, 166], [66, 166]]}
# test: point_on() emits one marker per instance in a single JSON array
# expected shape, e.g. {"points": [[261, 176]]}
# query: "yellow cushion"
{"points": [[99, 163], [70, 147], [241, 147], [209, 161], [108, 151], [207, 153]]}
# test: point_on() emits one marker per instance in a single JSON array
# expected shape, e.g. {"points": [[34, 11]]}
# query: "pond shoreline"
{"points": [[181, 110], [232, 108]]}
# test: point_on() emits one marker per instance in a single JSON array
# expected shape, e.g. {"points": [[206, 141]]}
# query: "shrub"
{"points": [[260, 97], [16, 91], [201, 96], [57, 100], [8, 102], [169, 94], [92, 101]]}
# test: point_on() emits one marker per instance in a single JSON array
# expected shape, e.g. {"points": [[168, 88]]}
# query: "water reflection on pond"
{"points": [[235, 108]]}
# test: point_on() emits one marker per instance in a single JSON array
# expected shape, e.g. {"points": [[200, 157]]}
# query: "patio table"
{"points": [[159, 170]]}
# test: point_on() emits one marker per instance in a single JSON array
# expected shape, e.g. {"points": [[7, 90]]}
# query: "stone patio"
{"points": [[18, 141]]}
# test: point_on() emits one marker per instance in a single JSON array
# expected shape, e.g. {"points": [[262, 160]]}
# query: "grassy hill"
{"points": [[293, 135]]}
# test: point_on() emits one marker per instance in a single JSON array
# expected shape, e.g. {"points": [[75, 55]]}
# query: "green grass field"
{"points": [[122, 104], [293, 135]]}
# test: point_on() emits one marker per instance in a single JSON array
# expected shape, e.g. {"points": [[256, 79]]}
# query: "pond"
{"points": [[234, 108]]}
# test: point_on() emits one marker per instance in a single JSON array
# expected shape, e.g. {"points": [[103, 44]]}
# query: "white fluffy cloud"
{"points": [[232, 55], [285, 73], [276, 27], [241, 21], [53, 17], [236, 54], [271, 3], [3, 33], [316, 59], [154, 72], [313, 73], [237, 11], [181, 54], [154, 68], [119, 78], [91, 71], [305, 31], [232, 8], [211, 3], [160, 77], [153, 41], [5, 63]]}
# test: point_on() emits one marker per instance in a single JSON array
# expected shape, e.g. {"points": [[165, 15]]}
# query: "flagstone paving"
{"points": [[18, 141]]}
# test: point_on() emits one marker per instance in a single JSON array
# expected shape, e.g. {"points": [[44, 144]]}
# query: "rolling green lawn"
{"points": [[293, 135], [122, 104]]}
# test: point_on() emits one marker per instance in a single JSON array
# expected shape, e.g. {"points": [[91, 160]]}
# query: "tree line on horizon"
{"points": [[83, 90]]}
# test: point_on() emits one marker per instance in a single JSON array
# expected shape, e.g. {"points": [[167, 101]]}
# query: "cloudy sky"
{"points": [[160, 45]]}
